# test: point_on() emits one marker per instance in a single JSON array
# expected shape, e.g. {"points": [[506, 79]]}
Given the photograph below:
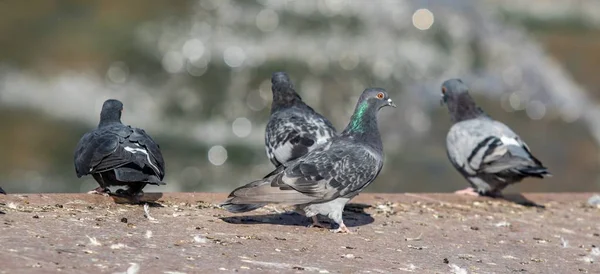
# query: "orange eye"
{"points": [[443, 90], [380, 95]]}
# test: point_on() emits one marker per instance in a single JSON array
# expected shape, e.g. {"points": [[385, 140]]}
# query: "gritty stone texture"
{"points": [[393, 233]]}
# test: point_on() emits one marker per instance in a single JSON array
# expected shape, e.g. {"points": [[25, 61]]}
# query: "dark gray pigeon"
{"points": [[294, 128], [119, 155], [326, 178], [2, 191], [486, 152]]}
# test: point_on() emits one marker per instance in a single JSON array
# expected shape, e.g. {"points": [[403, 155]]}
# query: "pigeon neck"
{"points": [[107, 119], [284, 99], [363, 124], [464, 108]]}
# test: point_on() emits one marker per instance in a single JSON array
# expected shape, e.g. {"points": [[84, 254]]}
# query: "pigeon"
{"points": [[326, 178], [486, 152], [294, 128], [2, 191], [119, 155]]}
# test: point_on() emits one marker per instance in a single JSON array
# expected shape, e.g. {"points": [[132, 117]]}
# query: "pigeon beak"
{"points": [[390, 103], [443, 100]]}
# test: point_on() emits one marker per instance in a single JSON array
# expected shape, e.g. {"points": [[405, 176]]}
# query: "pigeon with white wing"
{"points": [[119, 155], [486, 152]]}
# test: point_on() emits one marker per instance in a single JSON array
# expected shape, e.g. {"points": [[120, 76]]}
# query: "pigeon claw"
{"points": [[467, 191], [342, 229], [100, 191]]}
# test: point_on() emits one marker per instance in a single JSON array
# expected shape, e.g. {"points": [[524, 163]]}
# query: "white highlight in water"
{"points": [[193, 49], [267, 20], [234, 57], [217, 155], [241, 127], [422, 19], [173, 62], [118, 72], [536, 110]]}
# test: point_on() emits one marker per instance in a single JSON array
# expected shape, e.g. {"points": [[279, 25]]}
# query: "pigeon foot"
{"points": [[316, 223], [467, 191], [133, 198], [342, 229], [129, 193], [100, 191]]}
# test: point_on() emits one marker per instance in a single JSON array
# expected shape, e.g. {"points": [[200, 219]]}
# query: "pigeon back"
{"points": [[293, 132], [490, 151]]}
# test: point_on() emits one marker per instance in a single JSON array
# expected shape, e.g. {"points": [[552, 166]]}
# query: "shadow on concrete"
{"points": [[354, 215], [519, 199], [147, 198]]}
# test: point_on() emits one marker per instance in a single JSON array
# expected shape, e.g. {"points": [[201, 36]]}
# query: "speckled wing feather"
{"points": [[293, 132], [337, 169]]}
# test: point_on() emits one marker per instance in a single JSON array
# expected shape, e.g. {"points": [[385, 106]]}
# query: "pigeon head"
{"points": [[452, 89], [376, 97], [284, 94], [455, 95], [364, 118], [111, 112]]}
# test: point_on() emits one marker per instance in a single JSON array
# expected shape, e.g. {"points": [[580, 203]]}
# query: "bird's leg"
{"points": [[342, 229], [467, 191], [316, 223], [130, 192], [102, 189]]}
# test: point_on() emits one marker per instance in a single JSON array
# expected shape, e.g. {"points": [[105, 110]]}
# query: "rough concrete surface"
{"points": [[392, 233]]}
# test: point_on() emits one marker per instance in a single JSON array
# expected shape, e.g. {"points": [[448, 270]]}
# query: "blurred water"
{"points": [[210, 89]]}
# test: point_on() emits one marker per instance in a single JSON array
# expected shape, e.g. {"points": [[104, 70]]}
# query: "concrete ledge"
{"points": [[393, 233]]}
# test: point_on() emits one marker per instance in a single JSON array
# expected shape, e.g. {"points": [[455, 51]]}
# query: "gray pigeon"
{"points": [[486, 152], [2, 191], [326, 178], [119, 155], [294, 128]]}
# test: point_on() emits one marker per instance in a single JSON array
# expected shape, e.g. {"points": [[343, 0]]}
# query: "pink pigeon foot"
{"points": [[467, 191]]}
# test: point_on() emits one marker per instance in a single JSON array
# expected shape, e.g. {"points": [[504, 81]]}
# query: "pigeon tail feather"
{"points": [[239, 208], [538, 172], [264, 191]]}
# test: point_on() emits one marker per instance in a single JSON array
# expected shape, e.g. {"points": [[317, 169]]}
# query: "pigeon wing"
{"points": [[83, 154], [99, 151], [330, 171], [292, 133], [484, 145], [155, 159], [337, 169], [108, 153]]}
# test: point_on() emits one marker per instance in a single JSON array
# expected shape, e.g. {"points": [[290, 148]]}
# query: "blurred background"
{"points": [[196, 75]]}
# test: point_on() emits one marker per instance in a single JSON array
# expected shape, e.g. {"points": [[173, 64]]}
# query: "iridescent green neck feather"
{"points": [[357, 123]]}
